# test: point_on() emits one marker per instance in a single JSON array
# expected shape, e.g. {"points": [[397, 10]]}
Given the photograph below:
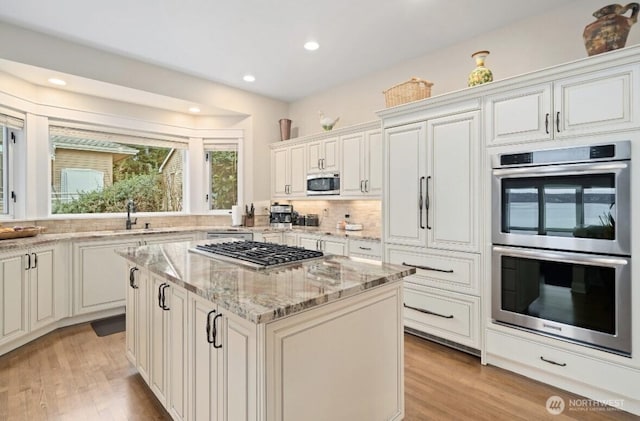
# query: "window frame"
{"points": [[212, 145]]}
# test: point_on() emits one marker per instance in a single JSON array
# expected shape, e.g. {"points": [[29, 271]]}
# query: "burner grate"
{"points": [[259, 254]]}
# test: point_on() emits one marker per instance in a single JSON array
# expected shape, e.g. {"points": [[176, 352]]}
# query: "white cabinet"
{"points": [[14, 291], [222, 363], [176, 307], [595, 102], [137, 320], [158, 339], [290, 239], [366, 249], [268, 237], [323, 155], [99, 277], [405, 177], [32, 291], [432, 183], [452, 186], [98, 274], [361, 164], [288, 171], [326, 244]]}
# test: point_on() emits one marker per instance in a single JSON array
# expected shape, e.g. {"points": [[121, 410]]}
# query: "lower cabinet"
{"points": [[137, 321], [33, 290], [327, 244], [222, 363]]}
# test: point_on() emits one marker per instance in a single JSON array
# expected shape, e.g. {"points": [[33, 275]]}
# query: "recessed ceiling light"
{"points": [[57, 81], [311, 46], [194, 109], [249, 78]]}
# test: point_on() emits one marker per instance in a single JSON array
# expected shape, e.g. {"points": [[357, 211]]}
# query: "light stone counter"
{"points": [[261, 296]]}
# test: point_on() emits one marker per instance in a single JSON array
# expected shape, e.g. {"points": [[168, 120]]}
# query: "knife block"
{"points": [[248, 220]]}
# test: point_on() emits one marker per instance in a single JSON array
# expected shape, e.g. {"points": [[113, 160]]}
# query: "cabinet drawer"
{"points": [[453, 271], [452, 316], [369, 248], [535, 358]]}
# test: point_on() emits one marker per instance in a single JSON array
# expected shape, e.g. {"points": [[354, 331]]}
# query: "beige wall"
{"points": [[532, 44]]}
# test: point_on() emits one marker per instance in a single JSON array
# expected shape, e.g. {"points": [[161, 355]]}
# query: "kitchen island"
{"points": [[316, 340]]}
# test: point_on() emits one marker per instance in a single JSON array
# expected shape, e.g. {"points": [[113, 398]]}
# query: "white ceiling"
{"points": [[222, 40]]}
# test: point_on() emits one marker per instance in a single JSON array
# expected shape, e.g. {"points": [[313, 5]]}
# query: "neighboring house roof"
{"points": [[91, 145]]}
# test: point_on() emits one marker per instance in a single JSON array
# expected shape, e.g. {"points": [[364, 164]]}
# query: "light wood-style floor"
{"points": [[72, 374]]}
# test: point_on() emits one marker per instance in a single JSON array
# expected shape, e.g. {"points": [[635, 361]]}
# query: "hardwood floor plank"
{"points": [[72, 374]]}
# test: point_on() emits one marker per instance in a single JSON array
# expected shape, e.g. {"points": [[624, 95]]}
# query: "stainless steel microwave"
{"points": [[322, 184]]}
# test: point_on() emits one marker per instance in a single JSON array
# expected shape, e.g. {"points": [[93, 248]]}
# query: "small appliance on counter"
{"points": [[312, 220], [281, 216]]}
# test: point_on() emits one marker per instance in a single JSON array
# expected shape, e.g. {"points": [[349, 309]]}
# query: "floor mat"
{"points": [[109, 326]]}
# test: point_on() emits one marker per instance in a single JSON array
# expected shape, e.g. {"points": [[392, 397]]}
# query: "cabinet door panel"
{"points": [[157, 343], [405, 151], [142, 324], [352, 176], [520, 115], [453, 182], [374, 163], [334, 247], [611, 90], [42, 289], [13, 296], [203, 363], [314, 153], [177, 356], [331, 155], [298, 172], [309, 243], [279, 172]]}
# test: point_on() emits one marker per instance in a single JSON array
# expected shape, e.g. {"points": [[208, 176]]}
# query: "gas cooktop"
{"points": [[255, 254]]}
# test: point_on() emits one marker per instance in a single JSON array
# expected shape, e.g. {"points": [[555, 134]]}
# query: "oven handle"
{"points": [[564, 256], [564, 169]]}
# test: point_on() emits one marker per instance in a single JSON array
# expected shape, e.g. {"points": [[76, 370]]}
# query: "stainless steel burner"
{"points": [[256, 254]]}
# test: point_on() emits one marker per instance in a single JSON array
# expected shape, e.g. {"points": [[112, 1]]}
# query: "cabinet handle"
{"points": [[553, 362], [210, 337], [132, 277], [366, 186], [364, 248], [428, 268], [28, 261], [429, 312], [164, 297], [35, 261], [361, 186], [426, 202], [558, 121], [160, 294], [420, 201], [546, 123], [322, 160], [215, 331]]}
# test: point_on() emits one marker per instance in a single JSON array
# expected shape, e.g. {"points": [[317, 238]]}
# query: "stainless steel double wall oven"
{"points": [[562, 243]]}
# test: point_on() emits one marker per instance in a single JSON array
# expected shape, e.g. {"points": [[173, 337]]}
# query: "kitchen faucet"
{"points": [[131, 207]]}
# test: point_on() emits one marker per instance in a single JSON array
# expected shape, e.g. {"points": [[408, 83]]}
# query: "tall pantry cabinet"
{"points": [[431, 217]]}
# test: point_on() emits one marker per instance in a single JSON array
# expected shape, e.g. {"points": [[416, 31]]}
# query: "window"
{"points": [[98, 172], [223, 171], [10, 130]]}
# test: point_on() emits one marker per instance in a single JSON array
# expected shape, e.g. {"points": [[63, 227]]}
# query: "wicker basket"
{"points": [[411, 90]]}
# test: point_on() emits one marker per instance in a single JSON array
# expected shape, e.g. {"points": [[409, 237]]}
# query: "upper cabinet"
{"points": [[361, 165], [288, 171], [323, 155], [590, 103], [432, 183]]}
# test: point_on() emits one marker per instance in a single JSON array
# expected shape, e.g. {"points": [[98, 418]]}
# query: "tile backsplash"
{"points": [[365, 212]]}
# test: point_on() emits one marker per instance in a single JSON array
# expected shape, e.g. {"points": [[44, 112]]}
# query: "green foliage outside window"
{"points": [[224, 179]]}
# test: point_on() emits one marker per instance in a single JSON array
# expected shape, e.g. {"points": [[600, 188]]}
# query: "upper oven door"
{"points": [[577, 207]]}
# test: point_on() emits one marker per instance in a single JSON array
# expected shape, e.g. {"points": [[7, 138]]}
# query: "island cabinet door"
{"points": [[176, 307], [203, 360], [158, 339]]}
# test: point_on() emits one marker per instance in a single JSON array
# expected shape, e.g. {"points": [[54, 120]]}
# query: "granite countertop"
{"points": [[43, 239], [261, 296]]}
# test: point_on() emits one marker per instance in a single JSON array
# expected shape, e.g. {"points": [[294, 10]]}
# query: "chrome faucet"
{"points": [[131, 207]]}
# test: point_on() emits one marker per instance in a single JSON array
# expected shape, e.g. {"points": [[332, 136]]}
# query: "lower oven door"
{"points": [[579, 297]]}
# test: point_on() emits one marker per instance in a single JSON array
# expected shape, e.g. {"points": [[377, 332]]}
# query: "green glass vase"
{"points": [[480, 74]]}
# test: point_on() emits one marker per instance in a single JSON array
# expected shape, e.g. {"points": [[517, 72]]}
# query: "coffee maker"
{"points": [[281, 216]]}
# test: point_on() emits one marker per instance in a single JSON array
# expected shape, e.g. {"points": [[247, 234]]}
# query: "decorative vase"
{"points": [[480, 74], [610, 30], [285, 129]]}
